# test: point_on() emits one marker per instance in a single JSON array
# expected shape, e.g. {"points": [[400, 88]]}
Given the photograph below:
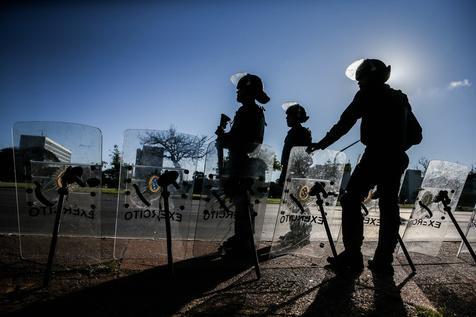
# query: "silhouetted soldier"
{"points": [[297, 135], [246, 133], [388, 129]]}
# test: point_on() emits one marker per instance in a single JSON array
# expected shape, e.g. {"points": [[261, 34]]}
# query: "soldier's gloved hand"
{"points": [[220, 131], [313, 147]]}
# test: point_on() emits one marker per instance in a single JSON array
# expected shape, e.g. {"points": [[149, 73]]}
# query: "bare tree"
{"points": [[177, 146], [423, 163]]}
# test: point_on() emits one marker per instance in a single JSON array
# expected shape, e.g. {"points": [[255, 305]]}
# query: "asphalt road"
{"points": [[8, 218]]}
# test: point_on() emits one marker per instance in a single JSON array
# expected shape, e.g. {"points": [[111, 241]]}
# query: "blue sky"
{"points": [[145, 64]]}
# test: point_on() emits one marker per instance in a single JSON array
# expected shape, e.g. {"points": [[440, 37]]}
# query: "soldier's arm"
{"points": [[347, 120], [227, 139]]}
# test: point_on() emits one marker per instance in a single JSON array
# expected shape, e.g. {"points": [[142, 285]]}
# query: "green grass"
{"points": [[197, 196], [274, 201], [427, 312], [12, 185], [109, 190], [7, 184]]}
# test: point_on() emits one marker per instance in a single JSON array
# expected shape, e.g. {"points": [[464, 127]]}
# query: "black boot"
{"points": [[346, 262], [382, 269]]}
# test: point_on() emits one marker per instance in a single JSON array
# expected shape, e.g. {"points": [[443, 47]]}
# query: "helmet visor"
{"points": [[235, 78], [288, 104], [351, 70]]}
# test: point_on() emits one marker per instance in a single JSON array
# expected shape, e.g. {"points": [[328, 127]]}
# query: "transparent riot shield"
{"points": [[140, 229], [215, 222], [428, 223], [44, 152], [470, 235], [299, 224]]}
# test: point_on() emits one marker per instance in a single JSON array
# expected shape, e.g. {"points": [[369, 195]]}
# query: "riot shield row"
{"points": [[302, 229], [58, 170]]}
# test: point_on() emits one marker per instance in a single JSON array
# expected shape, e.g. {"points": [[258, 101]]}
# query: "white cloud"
{"points": [[459, 83]]}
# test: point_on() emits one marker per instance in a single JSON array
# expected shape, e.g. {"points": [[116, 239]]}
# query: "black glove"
{"points": [[314, 147], [220, 131]]}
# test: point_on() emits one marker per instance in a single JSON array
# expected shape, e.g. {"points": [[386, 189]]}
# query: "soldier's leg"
{"points": [[352, 220], [241, 217], [389, 221], [357, 189], [233, 189], [244, 213], [389, 187]]}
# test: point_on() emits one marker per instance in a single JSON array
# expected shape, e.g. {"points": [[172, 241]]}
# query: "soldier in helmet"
{"points": [[297, 134], [388, 129], [245, 134]]}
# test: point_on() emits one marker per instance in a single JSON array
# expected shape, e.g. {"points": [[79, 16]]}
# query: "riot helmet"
{"points": [[251, 85], [295, 110], [373, 70], [295, 113]]}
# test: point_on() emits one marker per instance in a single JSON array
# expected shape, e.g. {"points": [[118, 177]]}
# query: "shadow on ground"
{"points": [[149, 293], [289, 286], [448, 282]]}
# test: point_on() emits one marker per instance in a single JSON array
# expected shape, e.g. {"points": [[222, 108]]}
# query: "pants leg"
{"points": [[242, 227], [244, 213], [240, 185], [389, 187], [358, 187]]}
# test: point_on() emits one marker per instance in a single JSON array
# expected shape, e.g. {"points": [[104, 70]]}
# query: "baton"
{"points": [[350, 145]]}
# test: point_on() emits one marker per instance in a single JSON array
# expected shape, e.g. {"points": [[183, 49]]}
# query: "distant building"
{"points": [[150, 156], [410, 186], [468, 196], [44, 148], [149, 161]]}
